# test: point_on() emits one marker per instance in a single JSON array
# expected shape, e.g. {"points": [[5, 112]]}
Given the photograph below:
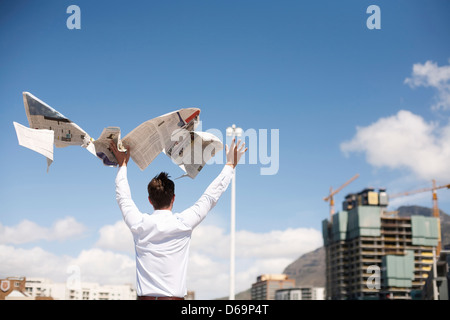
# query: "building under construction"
{"points": [[374, 254]]}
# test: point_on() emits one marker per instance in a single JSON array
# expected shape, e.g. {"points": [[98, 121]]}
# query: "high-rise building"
{"points": [[267, 284], [374, 254]]}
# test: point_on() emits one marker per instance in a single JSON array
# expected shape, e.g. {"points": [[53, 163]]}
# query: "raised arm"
{"points": [[195, 214], [121, 157], [131, 214], [234, 153]]}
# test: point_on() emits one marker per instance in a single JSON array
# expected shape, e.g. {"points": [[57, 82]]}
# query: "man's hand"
{"points": [[234, 153], [121, 157]]}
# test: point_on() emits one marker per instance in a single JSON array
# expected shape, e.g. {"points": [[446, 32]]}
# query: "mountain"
{"points": [[308, 269]]}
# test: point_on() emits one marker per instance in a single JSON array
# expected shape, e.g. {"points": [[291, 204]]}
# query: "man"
{"points": [[162, 238]]}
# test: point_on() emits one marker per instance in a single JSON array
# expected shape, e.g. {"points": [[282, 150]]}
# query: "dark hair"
{"points": [[161, 191]]}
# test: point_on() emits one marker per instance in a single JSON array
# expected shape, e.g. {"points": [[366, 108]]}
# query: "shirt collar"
{"points": [[162, 211]]}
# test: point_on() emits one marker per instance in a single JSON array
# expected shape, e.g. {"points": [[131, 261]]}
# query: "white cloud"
{"points": [[116, 237], [212, 240], [105, 267], [277, 243], [256, 254], [32, 262], [95, 265], [66, 228], [405, 140], [430, 74], [27, 231]]}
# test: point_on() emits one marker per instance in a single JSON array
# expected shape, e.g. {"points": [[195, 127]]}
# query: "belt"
{"points": [[158, 298]]}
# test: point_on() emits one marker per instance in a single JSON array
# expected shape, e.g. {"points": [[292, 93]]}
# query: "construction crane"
{"points": [[333, 192], [436, 214]]}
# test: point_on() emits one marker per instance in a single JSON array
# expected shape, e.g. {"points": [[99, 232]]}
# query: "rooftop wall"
{"points": [[364, 221], [339, 228], [359, 221], [425, 230]]}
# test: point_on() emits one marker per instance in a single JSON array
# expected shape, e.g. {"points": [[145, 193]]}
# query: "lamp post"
{"points": [[233, 132]]}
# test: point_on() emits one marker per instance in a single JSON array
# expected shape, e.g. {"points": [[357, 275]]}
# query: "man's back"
{"points": [[162, 251], [162, 238]]}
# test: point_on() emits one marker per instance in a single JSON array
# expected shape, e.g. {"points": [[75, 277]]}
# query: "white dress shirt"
{"points": [[162, 238]]}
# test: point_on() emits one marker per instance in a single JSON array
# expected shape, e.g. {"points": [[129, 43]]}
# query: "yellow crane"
{"points": [[436, 214], [333, 192]]}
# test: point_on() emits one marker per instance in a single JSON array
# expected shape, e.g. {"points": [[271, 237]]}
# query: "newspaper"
{"points": [[40, 141], [194, 150], [101, 145], [172, 133], [41, 116]]}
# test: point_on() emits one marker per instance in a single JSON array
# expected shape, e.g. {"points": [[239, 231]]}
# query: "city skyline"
{"points": [[309, 79]]}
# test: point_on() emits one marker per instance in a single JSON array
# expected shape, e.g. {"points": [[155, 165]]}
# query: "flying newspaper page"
{"points": [[152, 137], [40, 141], [44, 120], [41, 116], [172, 133], [194, 150]]}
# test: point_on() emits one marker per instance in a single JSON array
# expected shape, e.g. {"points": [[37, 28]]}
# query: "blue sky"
{"points": [[310, 69]]}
